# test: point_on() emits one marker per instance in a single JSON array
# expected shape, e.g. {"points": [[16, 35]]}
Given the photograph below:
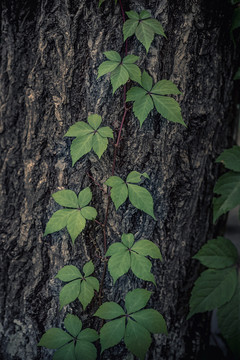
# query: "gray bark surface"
{"points": [[50, 53]]}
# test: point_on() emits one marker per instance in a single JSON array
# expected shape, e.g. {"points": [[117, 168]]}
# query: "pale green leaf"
{"points": [[85, 350], [136, 300], [141, 199], [69, 292], [130, 59], [168, 108], [58, 221], [141, 267], [114, 180], [109, 310], [212, 289], [230, 158], [113, 56], [66, 198], [112, 333], [73, 324], [217, 253], [115, 249], [119, 77], [106, 67], [119, 264], [69, 273], [99, 144], [142, 107], [105, 132], [81, 146], [128, 240], [152, 320], [86, 294], [135, 93], [79, 129], [54, 338], [132, 15], [88, 335], [94, 120], [88, 268], [89, 212], [147, 248], [119, 194], [75, 224], [146, 81], [134, 72], [165, 87], [144, 34], [137, 339], [135, 177], [129, 28], [67, 352], [156, 26], [144, 14], [92, 281], [84, 197]]}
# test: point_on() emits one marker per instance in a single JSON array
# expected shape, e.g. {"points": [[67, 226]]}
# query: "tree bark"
{"points": [[51, 51]]}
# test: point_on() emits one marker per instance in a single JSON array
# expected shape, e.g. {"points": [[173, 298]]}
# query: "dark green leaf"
{"points": [[79, 129], [84, 197], [132, 15], [88, 335], [115, 248], [114, 180], [73, 324], [168, 108], [66, 198], [112, 333], [54, 338], [105, 132], [156, 26], [58, 221], [128, 240], [152, 320], [130, 59], [134, 93], [86, 294], [75, 224], [85, 351], [135, 177], [119, 194], [141, 199], [106, 67], [99, 144], [119, 77], [69, 293], [141, 267], [136, 300], [144, 34], [129, 28], [81, 146], [137, 339], [144, 14], [142, 107], [68, 273], [112, 55], [165, 87], [230, 158], [95, 121], [147, 248], [88, 268], [92, 281], [146, 81], [89, 212], [119, 264], [67, 352], [109, 310]]}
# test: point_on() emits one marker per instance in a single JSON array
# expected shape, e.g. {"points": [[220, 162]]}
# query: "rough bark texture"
{"points": [[50, 52]]}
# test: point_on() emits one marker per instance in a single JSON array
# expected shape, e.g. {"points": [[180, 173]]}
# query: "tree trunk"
{"points": [[51, 51]]}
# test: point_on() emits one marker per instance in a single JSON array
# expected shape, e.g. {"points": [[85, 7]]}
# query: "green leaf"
{"points": [[69, 273], [85, 350], [119, 264], [115, 248], [147, 248], [141, 267], [217, 253], [144, 14], [81, 146], [156, 26], [92, 281], [75, 224], [69, 293], [146, 81], [58, 221], [106, 67], [137, 339], [229, 322], [88, 268], [66, 198], [113, 55], [136, 300], [84, 197], [105, 132], [94, 120], [130, 59], [168, 108], [67, 352], [79, 129], [212, 289], [88, 335], [133, 15], [99, 144], [135, 177], [135, 93], [128, 240], [119, 77], [73, 324], [89, 212], [230, 158], [165, 87], [119, 194], [54, 338], [152, 320], [141, 199], [144, 34], [134, 72], [114, 180], [109, 310], [142, 107], [112, 333], [86, 294], [236, 19], [237, 75], [129, 28]]}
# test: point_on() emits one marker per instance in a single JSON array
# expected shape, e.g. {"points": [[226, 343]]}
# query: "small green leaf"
{"points": [[134, 72], [66, 198], [88, 335], [141, 267], [130, 59], [89, 212], [119, 194], [69, 273], [144, 34], [141, 199], [79, 129], [85, 351], [136, 300], [109, 310], [112, 333], [99, 144], [88, 268], [137, 339], [92, 281], [112, 55], [168, 108], [144, 14], [75, 224], [212, 289], [142, 107], [147, 248], [69, 292], [135, 177], [54, 338], [114, 180], [156, 26], [105, 131], [119, 264], [95, 121], [58, 221], [133, 15], [115, 248], [86, 294], [165, 87], [135, 93], [106, 67], [129, 28], [230, 158], [67, 352], [146, 81], [152, 320], [128, 240], [73, 324], [84, 197], [119, 77], [81, 146], [217, 253]]}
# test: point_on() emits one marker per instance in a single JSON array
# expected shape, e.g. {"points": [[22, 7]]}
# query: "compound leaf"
{"points": [[75, 224], [141, 199], [137, 339], [89, 212], [66, 198], [54, 338], [69, 292], [69, 273], [112, 333], [73, 324], [84, 197], [147, 248], [109, 310], [141, 267], [230, 158], [152, 320], [168, 108], [85, 350], [136, 300], [81, 146], [88, 268], [119, 264]]}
